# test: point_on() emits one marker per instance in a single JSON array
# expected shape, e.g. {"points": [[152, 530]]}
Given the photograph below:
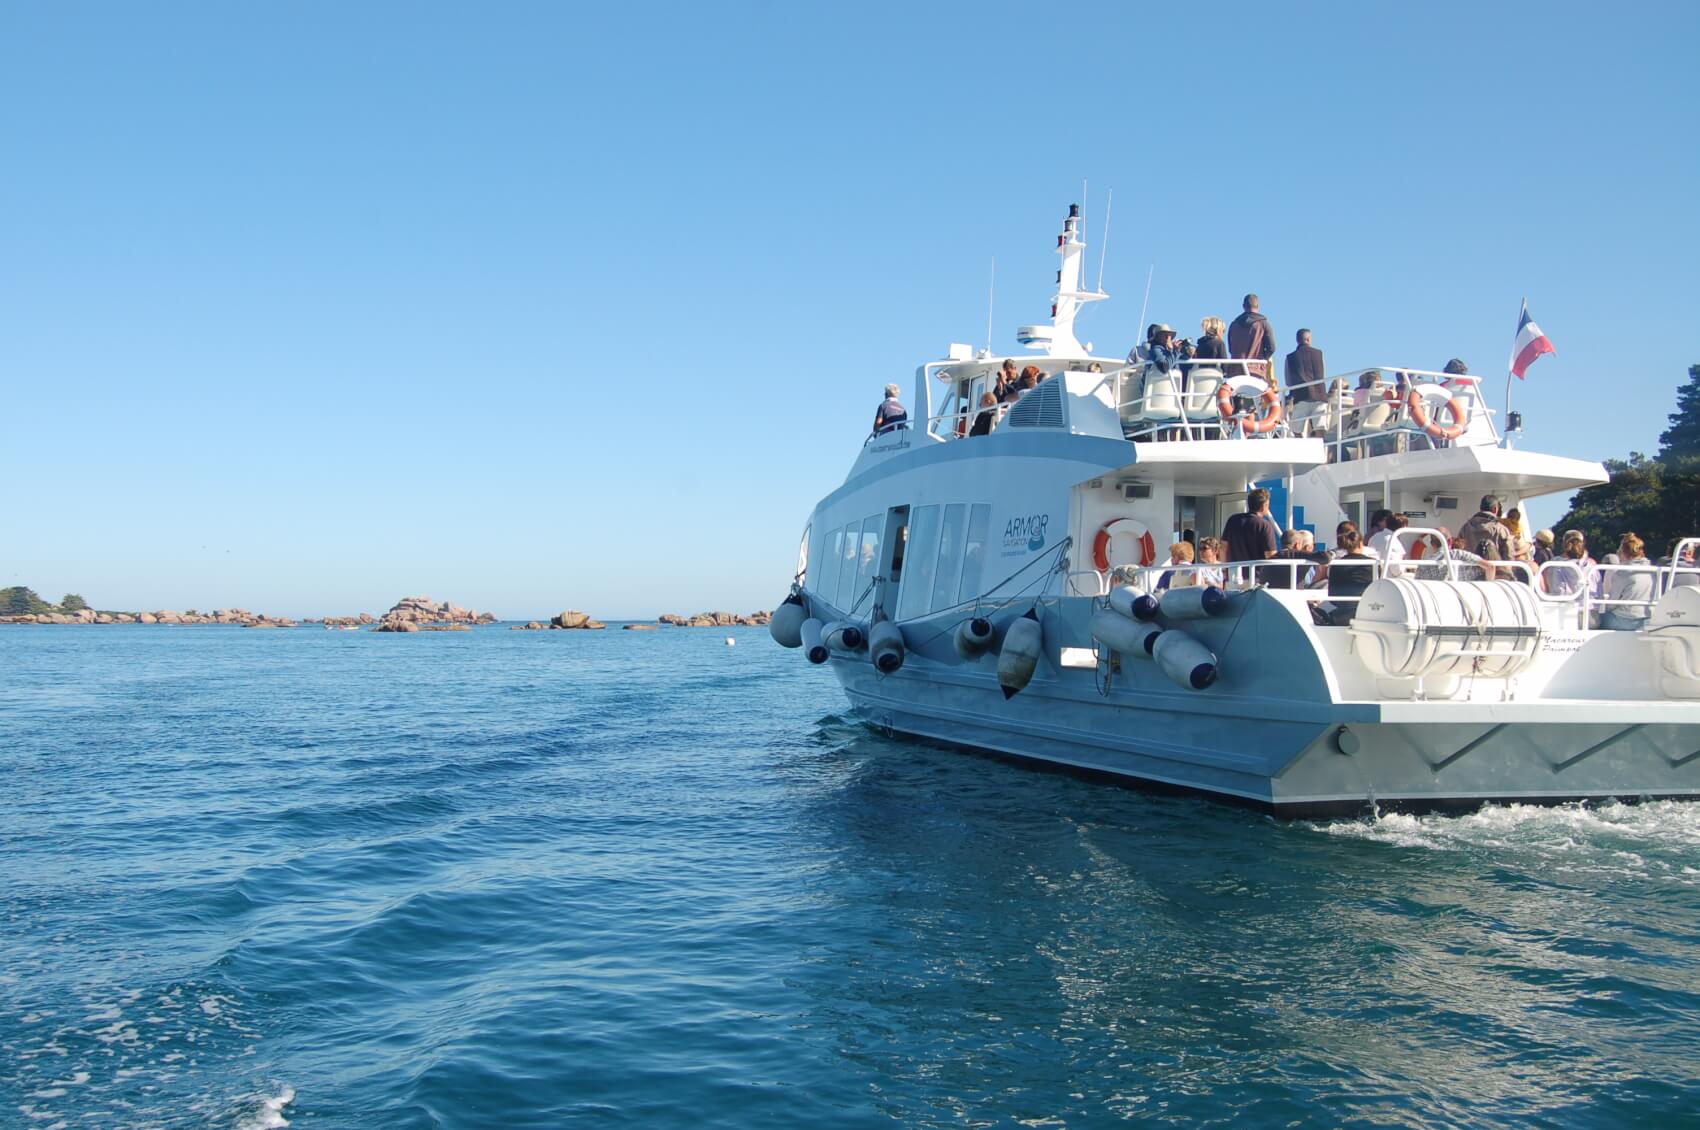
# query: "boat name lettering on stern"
{"points": [[1025, 535]]}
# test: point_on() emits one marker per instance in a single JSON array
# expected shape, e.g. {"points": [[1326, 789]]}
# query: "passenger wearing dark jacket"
{"points": [[1250, 335], [1210, 345], [1304, 368], [1292, 549]]}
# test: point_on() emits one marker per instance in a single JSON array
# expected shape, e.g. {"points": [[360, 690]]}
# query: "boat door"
{"points": [[1227, 505]]}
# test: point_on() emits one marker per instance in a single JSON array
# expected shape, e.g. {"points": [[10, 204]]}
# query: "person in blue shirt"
{"points": [[891, 414]]}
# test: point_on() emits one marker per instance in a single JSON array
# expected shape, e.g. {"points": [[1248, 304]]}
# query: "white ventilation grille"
{"points": [[1042, 407]]}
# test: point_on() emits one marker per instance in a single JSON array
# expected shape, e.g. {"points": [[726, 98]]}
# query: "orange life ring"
{"points": [[1101, 546], [1419, 416], [1251, 425]]}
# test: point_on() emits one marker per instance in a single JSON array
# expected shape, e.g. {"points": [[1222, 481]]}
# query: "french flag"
{"points": [[1530, 344]]}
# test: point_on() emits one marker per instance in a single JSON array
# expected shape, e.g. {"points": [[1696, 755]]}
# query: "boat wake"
{"points": [[269, 1115], [1656, 836]]}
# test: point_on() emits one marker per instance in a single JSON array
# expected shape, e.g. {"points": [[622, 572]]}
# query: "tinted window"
{"points": [[974, 560], [918, 563], [950, 556], [847, 563], [831, 552], [869, 565]]}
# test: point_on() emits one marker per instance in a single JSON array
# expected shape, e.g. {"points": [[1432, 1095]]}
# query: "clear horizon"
{"points": [[308, 309]]}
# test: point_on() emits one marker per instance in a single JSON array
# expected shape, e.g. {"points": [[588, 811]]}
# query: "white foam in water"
{"points": [[270, 1115], [1596, 830]]}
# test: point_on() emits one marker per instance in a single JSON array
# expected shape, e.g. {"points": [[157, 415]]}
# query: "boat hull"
{"points": [[1296, 759]]}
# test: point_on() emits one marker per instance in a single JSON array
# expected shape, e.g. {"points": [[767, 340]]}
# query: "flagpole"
{"points": [[1505, 421]]}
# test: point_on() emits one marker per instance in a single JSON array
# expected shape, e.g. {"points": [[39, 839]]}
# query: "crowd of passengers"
{"points": [[1493, 544], [1249, 337]]}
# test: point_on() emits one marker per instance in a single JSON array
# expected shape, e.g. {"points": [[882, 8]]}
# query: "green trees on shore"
{"points": [[18, 600], [1658, 498]]}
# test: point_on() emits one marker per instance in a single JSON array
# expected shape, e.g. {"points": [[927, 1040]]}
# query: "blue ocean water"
{"points": [[515, 879]]}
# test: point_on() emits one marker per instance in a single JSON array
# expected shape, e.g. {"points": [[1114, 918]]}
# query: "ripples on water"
{"points": [[494, 879]]}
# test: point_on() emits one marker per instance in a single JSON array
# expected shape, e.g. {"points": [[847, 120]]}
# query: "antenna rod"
{"points": [[1147, 302], [991, 296], [1104, 247]]}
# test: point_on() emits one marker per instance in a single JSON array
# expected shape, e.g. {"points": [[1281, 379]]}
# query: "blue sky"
{"points": [[307, 307]]}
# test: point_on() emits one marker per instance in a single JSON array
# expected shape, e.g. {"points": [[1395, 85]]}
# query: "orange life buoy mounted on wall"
{"points": [[1419, 416], [1101, 545], [1265, 421]]}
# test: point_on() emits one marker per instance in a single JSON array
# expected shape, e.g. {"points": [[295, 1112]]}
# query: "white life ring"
{"points": [[1101, 544]]}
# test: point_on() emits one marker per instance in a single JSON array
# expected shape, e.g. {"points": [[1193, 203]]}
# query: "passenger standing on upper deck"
{"points": [[1304, 370], [1251, 336], [1252, 536], [891, 414], [1004, 389], [1210, 345], [988, 415]]}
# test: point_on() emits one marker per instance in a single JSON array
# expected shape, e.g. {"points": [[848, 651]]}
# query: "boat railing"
{"points": [[1185, 401], [1090, 582], [1383, 409], [957, 423]]}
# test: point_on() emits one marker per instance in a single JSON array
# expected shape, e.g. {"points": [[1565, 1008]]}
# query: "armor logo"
{"points": [[1026, 533]]}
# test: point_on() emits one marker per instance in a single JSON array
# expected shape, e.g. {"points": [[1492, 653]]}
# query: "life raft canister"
{"points": [[1265, 421], [1101, 545], [1420, 417]]}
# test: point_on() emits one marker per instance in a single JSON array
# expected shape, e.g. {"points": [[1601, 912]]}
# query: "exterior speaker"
{"points": [[1133, 492]]}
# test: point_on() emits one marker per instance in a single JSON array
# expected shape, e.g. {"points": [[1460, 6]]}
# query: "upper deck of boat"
{"points": [[1368, 424]]}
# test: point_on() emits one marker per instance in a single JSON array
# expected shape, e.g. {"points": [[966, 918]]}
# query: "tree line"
{"points": [[1657, 497], [18, 600]]}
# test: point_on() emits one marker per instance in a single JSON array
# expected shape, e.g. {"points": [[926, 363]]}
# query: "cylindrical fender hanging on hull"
{"points": [[842, 635], [787, 622], [885, 647], [809, 635], [1120, 634], [1019, 656], [1124, 598], [1184, 659], [1194, 602], [973, 637]]}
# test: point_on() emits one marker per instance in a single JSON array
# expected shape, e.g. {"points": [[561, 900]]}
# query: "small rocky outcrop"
{"points": [[580, 621], [428, 615], [715, 620], [641, 627]]}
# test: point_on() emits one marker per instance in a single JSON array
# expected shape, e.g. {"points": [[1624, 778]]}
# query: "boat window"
{"points": [[919, 562], [870, 556], [974, 560], [831, 552], [847, 560], [950, 556], [802, 574]]}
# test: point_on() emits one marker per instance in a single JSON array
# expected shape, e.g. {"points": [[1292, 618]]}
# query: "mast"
{"points": [[1069, 298]]}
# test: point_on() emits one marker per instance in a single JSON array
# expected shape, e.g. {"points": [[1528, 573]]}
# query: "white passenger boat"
{"points": [[960, 588]]}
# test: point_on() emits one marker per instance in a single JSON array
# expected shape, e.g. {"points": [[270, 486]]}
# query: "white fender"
{"points": [[1122, 598], [1194, 602], [973, 637], [843, 635], [1022, 642], [1120, 634], [809, 635], [787, 622], [885, 646], [1184, 659]]}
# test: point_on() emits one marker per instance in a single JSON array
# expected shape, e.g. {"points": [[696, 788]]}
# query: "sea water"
{"points": [[521, 879]]}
